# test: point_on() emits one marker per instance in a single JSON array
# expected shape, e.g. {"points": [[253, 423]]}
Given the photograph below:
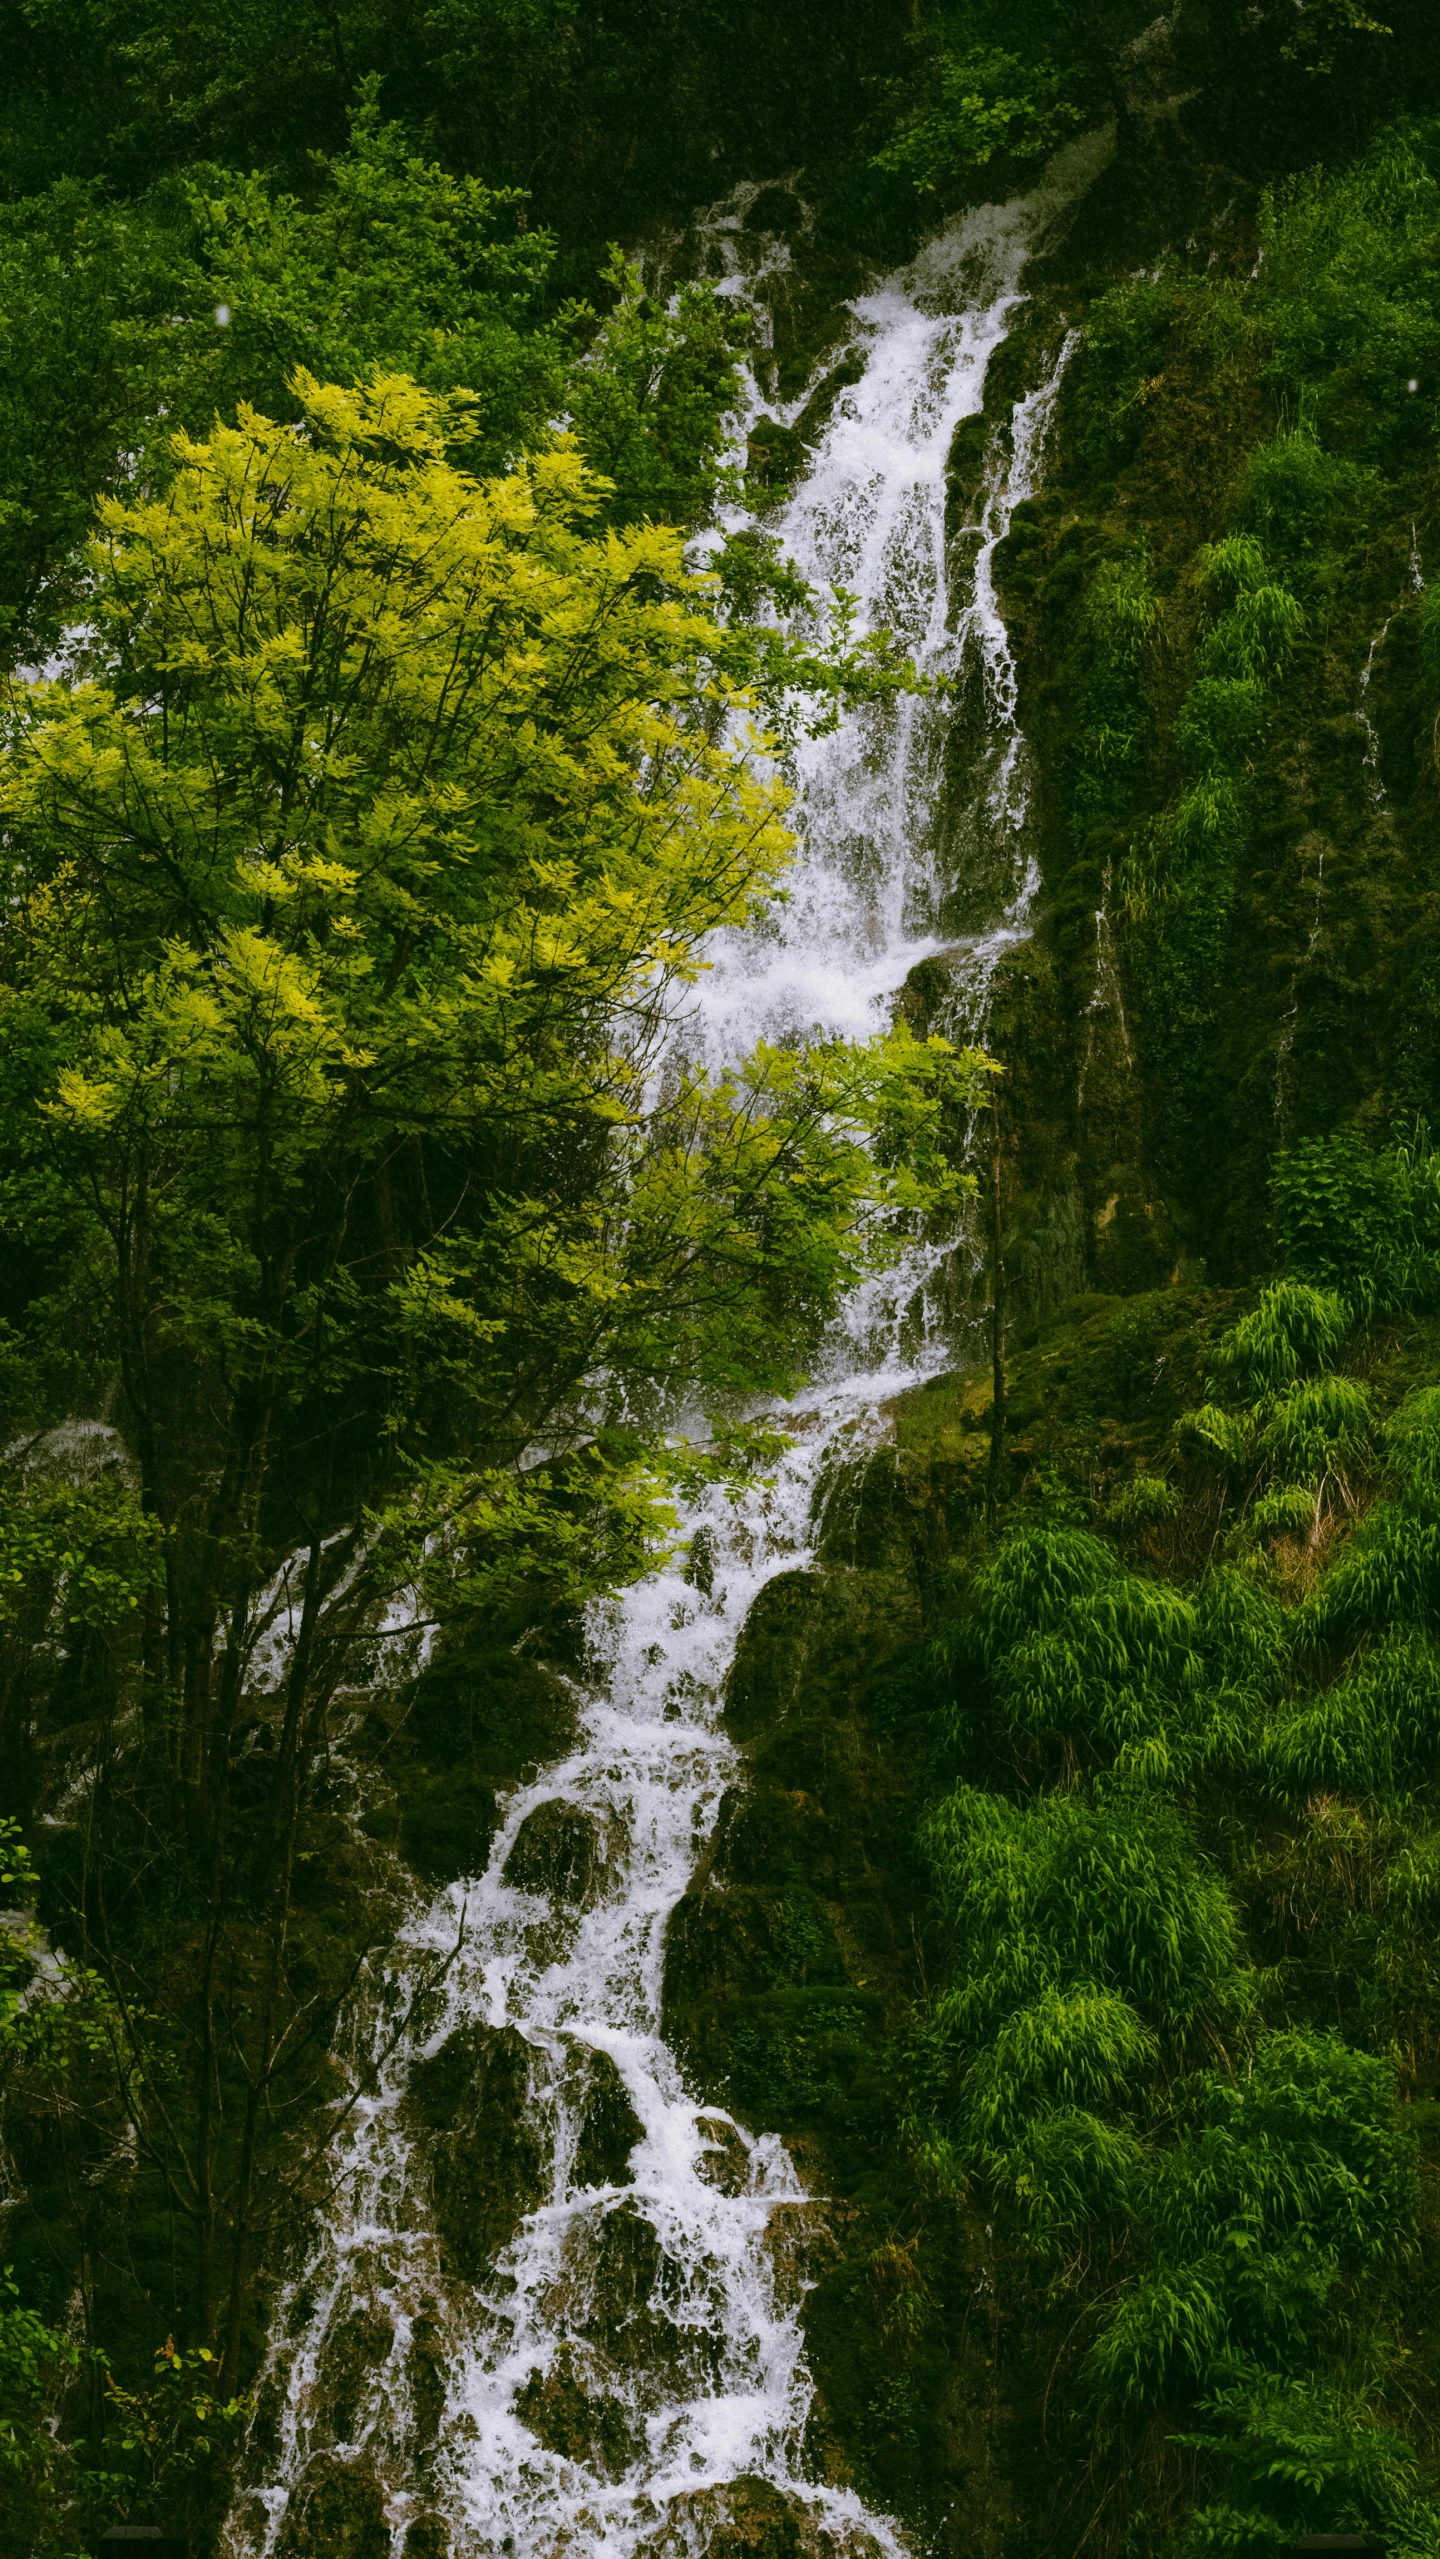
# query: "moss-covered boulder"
{"points": [[618, 2268], [579, 2424], [487, 2162], [796, 1939], [426, 2538], [426, 2374], [724, 2161], [561, 1852], [831, 1631], [356, 2344], [609, 2125], [337, 2511], [750, 1938], [483, 1718], [751, 2519]]}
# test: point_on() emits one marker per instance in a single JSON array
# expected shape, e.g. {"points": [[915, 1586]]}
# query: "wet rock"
{"points": [[799, 2241], [425, 2374], [753, 2519], [700, 1563], [483, 1717], [624, 2259], [336, 2512], [812, 1635], [774, 453], [264, 2434], [750, 2519], [580, 2425], [721, 1942], [619, 2268], [426, 2538], [610, 2127], [487, 2161], [355, 2345], [726, 2161], [776, 208], [562, 1852]]}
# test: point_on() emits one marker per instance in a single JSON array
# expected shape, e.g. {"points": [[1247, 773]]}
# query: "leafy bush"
{"points": [[1293, 2176], [1060, 1895], [968, 108], [1389, 1575], [1301, 2453], [1295, 490], [1078, 1647], [1292, 1328], [1376, 1730], [1362, 1221]]}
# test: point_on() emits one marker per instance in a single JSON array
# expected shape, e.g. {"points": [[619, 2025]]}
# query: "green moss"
{"points": [[618, 2259], [486, 2162], [483, 1718], [750, 2519], [355, 2346], [609, 2125], [580, 2425], [337, 2511], [560, 1852], [425, 2376]]}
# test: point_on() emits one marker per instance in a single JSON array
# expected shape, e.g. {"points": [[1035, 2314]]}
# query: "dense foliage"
{"points": [[375, 763], [1177, 2090]]}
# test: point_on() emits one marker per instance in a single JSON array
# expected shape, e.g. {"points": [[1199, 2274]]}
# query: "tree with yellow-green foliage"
{"points": [[352, 902]]}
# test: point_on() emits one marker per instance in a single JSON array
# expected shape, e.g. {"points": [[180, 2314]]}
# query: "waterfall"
{"points": [[1373, 775], [614, 2356]]}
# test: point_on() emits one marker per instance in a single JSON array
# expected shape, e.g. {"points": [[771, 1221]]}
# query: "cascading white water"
{"points": [[662, 2296]]}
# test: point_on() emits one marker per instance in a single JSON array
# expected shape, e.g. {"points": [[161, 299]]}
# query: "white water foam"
{"points": [[672, 2296]]}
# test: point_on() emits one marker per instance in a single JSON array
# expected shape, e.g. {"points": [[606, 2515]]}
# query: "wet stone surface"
{"points": [[725, 2162], [580, 2425], [622, 2271], [337, 2511], [354, 2348], [609, 2126], [562, 1853], [800, 2243], [425, 2375], [488, 2164], [750, 2519]]}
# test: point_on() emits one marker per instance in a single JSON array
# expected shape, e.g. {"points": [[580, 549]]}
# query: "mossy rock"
{"points": [[609, 2125], [719, 1943], [799, 2242], [622, 2265], [426, 2538], [776, 209], [774, 453], [830, 1630], [749, 2519], [483, 1719], [580, 2425], [425, 2374], [337, 2511], [355, 2346], [725, 2160], [562, 1853], [487, 2164], [815, 416], [815, 2060]]}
